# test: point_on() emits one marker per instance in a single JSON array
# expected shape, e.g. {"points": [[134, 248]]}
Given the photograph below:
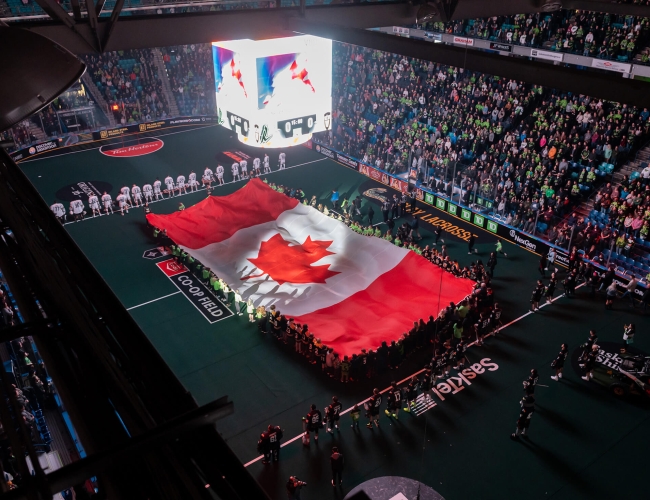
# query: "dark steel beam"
{"points": [[135, 32], [130, 452], [33, 328], [115, 15], [92, 20], [56, 12], [76, 10], [595, 84]]}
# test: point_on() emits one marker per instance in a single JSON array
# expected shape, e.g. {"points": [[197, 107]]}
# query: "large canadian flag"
{"points": [[352, 291]]}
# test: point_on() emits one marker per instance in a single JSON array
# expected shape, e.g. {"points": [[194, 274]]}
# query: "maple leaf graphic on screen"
{"points": [[285, 263]]}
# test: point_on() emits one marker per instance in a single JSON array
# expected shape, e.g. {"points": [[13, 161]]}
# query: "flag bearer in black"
{"points": [[290, 329], [385, 207], [334, 414], [536, 296], [337, 462], [413, 201], [550, 289], [526, 413], [459, 356], [586, 347], [372, 408], [312, 422], [570, 284], [558, 362], [412, 394], [306, 341], [299, 337], [590, 363], [437, 366], [531, 382], [446, 361], [402, 204], [269, 443], [278, 322], [394, 207], [393, 401], [482, 327], [427, 383], [371, 214]]}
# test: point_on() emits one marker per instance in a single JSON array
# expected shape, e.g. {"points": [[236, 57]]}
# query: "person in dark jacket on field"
{"points": [[337, 462]]}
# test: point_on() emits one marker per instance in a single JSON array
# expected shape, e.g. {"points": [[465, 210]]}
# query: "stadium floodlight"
{"points": [[274, 93], [35, 71]]}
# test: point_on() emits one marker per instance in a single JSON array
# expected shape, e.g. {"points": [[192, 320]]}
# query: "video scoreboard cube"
{"points": [[274, 93]]}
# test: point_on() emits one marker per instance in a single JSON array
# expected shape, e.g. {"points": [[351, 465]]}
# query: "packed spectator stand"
{"points": [[38, 405], [594, 34], [526, 155], [191, 74], [129, 81]]}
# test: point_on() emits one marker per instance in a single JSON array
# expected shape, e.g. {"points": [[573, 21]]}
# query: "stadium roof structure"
{"points": [[84, 27]]}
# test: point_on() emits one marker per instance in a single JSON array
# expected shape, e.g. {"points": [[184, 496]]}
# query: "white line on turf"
{"points": [[117, 211], [154, 300], [427, 406]]}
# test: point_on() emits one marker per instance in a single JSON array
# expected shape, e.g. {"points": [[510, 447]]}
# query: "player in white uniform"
{"points": [[59, 211], [137, 195], [207, 178], [267, 167], [256, 166], [93, 203], [148, 193], [126, 191], [156, 189], [180, 184], [122, 203], [107, 201], [281, 159], [77, 209], [235, 172], [244, 168], [220, 174], [194, 186], [169, 182]]}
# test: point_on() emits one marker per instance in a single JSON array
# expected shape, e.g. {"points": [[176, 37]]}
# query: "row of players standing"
{"points": [[136, 196]]}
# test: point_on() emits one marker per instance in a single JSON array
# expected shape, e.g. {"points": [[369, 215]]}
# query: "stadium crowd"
{"points": [[129, 79], [191, 76], [593, 34], [536, 153], [19, 134]]}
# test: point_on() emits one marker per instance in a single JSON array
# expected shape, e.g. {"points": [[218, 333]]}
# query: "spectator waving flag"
{"points": [[353, 291]]}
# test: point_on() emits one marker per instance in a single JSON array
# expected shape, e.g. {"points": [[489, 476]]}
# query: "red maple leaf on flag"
{"points": [[286, 263]]}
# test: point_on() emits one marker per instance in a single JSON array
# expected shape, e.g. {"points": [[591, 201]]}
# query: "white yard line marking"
{"points": [[154, 300], [117, 210], [421, 405]]}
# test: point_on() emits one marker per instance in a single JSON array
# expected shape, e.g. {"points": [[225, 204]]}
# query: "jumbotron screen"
{"points": [[274, 93]]}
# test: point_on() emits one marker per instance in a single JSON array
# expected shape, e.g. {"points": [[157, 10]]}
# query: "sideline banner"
{"points": [[35, 149], [522, 240], [156, 125], [59, 143], [611, 65], [347, 161], [545, 54]]}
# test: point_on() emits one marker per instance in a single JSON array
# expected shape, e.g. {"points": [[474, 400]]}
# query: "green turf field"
{"points": [[583, 442]]}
